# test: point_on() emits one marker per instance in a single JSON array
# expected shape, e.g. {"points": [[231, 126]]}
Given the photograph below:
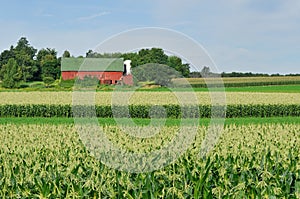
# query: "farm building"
{"points": [[107, 70]]}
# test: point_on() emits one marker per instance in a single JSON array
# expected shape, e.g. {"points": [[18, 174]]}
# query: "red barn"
{"points": [[107, 70]]}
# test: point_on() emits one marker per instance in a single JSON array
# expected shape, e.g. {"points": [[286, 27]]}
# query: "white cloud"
{"points": [[87, 18]]}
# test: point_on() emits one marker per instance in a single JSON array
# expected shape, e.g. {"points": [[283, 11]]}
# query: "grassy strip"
{"points": [[142, 121], [264, 89], [269, 88]]}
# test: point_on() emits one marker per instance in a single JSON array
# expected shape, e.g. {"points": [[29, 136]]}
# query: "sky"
{"points": [[260, 36]]}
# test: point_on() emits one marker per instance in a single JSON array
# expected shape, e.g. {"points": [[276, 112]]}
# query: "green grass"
{"points": [[272, 89], [141, 122]]}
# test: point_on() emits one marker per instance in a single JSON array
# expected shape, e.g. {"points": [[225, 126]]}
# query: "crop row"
{"points": [[249, 161], [144, 97], [240, 80], [147, 111], [237, 84]]}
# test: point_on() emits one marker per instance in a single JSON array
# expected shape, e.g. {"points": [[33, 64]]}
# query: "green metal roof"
{"points": [[92, 64]]}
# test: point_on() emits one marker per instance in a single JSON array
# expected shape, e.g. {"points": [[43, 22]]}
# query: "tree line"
{"points": [[24, 63], [206, 72]]}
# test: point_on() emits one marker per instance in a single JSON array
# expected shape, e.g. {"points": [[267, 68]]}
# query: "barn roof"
{"points": [[92, 64]]}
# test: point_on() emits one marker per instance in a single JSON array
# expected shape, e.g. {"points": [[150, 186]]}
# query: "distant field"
{"points": [[240, 81], [295, 88], [159, 98], [271, 89], [249, 79]]}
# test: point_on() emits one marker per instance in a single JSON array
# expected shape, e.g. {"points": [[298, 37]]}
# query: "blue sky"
{"points": [[239, 35]]}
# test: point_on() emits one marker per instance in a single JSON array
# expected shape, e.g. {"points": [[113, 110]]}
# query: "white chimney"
{"points": [[127, 64]]}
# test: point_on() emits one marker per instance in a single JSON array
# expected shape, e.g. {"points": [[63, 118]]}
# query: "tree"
{"points": [[24, 55], [205, 72], [133, 57], [23, 45], [92, 54], [4, 57], [153, 55], [66, 54], [176, 63], [158, 73], [45, 51], [89, 53], [27, 66], [50, 66], [11, 75]]}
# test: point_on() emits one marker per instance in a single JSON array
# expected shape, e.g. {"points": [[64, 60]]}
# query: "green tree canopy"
{"points": [[11, 74], [158, 73], [4, 57], [45, 68], [50, 66], [66, 54], [24, 55]]}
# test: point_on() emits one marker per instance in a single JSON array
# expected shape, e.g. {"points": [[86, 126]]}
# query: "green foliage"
{"points": [[32, 66], [66, 83], [176, 63], [153, 55], [157, 73], [50, 66], [66, 54], [48, 81], [143, 111], [134, 57], [146, 121], [4, 57], [92, 54], [24, 54], [11, 74], [50, 161], [37, 85]]}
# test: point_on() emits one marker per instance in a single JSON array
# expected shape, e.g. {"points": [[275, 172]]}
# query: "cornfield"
{"points": [[249, 161], [142, 98], [147, 111], [239, 81]]}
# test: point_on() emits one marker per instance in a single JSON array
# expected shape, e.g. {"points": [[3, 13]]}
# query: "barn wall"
{"points": [[104, 77]]}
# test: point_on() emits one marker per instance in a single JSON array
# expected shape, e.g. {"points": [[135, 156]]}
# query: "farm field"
{"points": [[49, 161], [105, 98], [242, 81], [268, 88], [257, 155]]}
